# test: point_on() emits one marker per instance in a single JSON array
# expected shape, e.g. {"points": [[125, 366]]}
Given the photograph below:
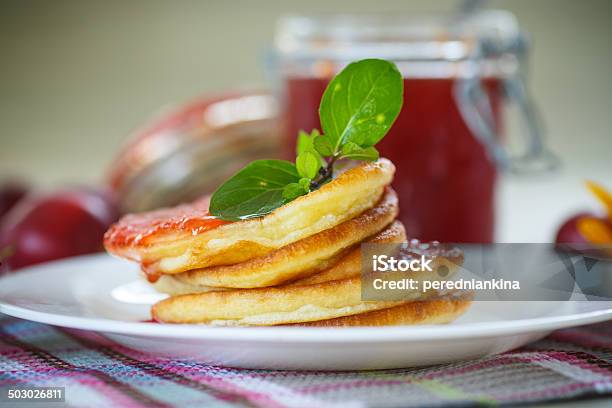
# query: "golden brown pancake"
{"points": [[268, 306], [302, 258], [277, 305], [346, 265], [184, 238], [169, 285], [350, 265], [432, 311]]}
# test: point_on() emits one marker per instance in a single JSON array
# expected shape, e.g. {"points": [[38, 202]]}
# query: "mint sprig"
{"points": [[357, 110], [255, 190]]}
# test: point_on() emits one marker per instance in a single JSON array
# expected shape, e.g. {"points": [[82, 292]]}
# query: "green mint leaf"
{"points": [[361, 103], [323, 145], [349, 148], [305, 141], [359, 153], [305, 184], [308, 164], [254, 191], [293, 191]]}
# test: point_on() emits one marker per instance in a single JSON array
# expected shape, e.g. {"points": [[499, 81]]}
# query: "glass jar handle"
{"points": [[475, 106]]}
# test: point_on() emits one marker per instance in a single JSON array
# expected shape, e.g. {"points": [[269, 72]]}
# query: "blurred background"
{"points": [[77, 77]]}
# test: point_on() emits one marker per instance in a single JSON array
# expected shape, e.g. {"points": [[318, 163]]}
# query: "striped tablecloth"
{"points": [[569, 364]]}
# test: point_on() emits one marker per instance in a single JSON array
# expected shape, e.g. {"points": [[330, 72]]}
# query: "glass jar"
{"points": [[459, 71]]}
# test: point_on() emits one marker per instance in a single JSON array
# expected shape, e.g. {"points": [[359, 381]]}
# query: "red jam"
{"points": [[140, 229], [152, 274]]}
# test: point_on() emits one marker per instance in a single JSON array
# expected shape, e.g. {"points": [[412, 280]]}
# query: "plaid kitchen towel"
{"points": [[569, 364]]}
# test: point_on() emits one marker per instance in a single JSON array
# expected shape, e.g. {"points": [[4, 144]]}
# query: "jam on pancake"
{"points": [[138, 229]]}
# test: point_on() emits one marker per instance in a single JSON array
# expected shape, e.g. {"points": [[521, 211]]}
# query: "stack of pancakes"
{"points": [[300, 264]]}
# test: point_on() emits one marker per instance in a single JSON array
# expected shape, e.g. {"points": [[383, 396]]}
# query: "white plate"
{"points": [[104, 294]]}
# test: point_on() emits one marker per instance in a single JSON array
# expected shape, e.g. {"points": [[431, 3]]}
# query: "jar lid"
{"points": [[432, 37]]}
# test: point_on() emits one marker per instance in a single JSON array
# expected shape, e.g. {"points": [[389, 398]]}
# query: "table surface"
{"points": [[568, 364]]}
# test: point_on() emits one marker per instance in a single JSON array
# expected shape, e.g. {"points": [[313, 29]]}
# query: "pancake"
{"points": [[184, 238], [347, 264], [432, 311], [169, 285], [268, 306], [442, 257], [302, 258], [276, 305]]}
